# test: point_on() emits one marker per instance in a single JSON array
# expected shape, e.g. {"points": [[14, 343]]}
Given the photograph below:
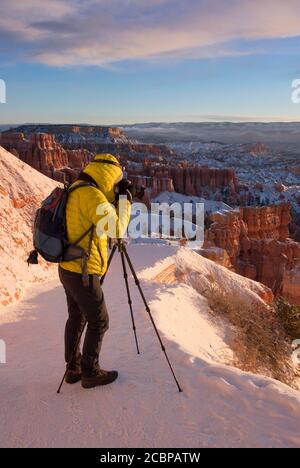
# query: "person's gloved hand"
{"points": [[126, 188]]}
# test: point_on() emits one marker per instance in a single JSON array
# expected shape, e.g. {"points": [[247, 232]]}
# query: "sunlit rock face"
{"points": [[42, 152], [22, 190], [256, 240], [193, 180]]}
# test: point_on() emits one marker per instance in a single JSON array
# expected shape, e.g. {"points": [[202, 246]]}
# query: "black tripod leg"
{"points": [[108, 263], [150, 315], [69, 363], [129, 299]]}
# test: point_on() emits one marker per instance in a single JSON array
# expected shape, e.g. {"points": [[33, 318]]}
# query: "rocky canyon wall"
{"points": [[196, 180], [255, 243], [193, 181], [42, 152], [59, 154]]}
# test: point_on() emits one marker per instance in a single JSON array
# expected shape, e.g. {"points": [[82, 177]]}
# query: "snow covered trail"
{"points": [[220, 406]]}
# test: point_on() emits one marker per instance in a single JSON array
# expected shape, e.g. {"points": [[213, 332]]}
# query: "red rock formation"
{"points": [[295, 170], [42, 152], [268, 222], [97, 139], [188, 180], [61, 130], [161, 184], [259, 149], [226, 231], [279, 187], [155, 184], [192, 180], [257, 242], [78, 159], [295, 231]]}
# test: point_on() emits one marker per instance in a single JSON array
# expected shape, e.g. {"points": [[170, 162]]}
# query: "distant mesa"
{"points": [[79, 132], [259, 149]]}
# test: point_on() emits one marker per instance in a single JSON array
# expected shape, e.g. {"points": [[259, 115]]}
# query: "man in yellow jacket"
{"points": [[91, 209]]}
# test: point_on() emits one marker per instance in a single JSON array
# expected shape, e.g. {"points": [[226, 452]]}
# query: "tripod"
{"points": [[124, 256]]}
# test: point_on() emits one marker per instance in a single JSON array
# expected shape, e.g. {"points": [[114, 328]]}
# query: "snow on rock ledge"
{"points": [[21, 191], [202, 273], [191, 268]]}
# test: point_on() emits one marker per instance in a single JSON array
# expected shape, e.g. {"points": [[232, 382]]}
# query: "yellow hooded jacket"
{"points": [[81, 213]]}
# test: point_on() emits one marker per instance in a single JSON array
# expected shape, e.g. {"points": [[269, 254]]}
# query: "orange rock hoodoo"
{"points": [[193, 181], [256, 241], [42, 152], [59, 154]]}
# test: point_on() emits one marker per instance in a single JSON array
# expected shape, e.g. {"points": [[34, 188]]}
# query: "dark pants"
{"points": [[85, 305]]}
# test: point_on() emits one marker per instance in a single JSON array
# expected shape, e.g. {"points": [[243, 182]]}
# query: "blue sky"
{"points": [[115, 62]]}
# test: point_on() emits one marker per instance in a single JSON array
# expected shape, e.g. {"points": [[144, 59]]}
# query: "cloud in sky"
{"points": [[103, 32]]}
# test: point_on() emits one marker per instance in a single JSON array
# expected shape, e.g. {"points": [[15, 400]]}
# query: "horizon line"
{"points": [[150, 122]]}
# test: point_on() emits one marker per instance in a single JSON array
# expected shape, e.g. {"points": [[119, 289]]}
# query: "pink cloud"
{"points": [[101, 32]]}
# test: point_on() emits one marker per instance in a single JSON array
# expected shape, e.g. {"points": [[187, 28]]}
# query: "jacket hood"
{"points": [[105, 175]]}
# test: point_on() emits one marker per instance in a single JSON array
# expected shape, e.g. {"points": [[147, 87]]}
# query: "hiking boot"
{"points": [[102, 377], [72, 376]]}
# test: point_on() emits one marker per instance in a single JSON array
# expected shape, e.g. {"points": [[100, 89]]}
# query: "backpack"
{"points": [[50, 230]]}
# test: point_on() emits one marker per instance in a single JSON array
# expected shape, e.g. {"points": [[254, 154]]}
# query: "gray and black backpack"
{"points": [[50, 230]]}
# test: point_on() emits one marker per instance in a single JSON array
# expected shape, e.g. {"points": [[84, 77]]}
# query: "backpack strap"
{"points": [[90, 231], [108, 161], [87, 178], [85, 275], [82, 184], [70, 190]]}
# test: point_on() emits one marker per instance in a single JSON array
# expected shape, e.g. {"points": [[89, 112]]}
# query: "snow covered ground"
{"points": [[219, 407], [22, 189]]}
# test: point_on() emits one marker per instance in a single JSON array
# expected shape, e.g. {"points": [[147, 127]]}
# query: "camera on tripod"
{"points": [[137, 191]]}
